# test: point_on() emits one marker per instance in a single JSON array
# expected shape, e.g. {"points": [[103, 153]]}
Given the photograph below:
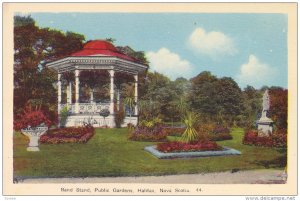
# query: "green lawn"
{"points": [[109, 153]]}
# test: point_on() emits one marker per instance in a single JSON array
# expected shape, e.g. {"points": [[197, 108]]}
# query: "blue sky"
{"points": [[250, 48]]}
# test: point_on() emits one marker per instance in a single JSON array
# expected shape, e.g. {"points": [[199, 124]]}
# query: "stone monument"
{"points": [[265, 124]]}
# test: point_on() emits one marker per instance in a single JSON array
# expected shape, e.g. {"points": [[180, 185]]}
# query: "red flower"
{"points": [[31, 119], [277, 139], [182, 146], [68, 135]]}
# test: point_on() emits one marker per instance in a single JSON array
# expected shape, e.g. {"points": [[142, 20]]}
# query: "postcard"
{"points": [[150, 99]]}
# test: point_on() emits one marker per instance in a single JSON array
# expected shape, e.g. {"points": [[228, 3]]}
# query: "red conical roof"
{"points": [[101, 48]]}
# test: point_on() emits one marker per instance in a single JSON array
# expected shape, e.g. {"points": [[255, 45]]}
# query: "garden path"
{"points": [[265, 176]]}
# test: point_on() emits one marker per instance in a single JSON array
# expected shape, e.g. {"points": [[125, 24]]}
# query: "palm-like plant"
{"points": [[190, 134], [129, 100]]}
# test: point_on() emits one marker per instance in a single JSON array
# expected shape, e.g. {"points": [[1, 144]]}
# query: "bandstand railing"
{"points": [[87, 108], [94, 108]]}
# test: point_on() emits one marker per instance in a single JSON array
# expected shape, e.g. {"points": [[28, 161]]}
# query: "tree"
{"points": [[229, 98], [202, 96], [22, 21], [111, 40], [139, 56], [160, 90], [129, 99], [252, 100], [92, 79], [279, 106], [216, 99], [33, 47]]}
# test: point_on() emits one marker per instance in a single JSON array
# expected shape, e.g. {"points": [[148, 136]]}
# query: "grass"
{"points": [[109, 153]]}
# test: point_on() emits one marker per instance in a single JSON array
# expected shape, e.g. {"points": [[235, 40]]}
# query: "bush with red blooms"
{"points": [[68, 135], [176, 146], [276, 139], [32, 119]]}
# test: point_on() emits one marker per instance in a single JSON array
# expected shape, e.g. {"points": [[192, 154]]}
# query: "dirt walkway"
{"points": [[240, 177]]}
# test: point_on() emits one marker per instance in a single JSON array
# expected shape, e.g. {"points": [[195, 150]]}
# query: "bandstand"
{"points": [[95, 56]]}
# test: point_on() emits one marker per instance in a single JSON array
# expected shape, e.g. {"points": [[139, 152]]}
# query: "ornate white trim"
{"points": [[96, 62]]}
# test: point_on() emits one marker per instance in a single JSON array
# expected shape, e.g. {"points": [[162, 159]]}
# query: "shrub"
{"points": [[173, 131], [68, 135], [31, 118], [219, 137], [220, 130], [148, 131], [64, 112], [214, 132], [205, 128], [277, 139], [104, 113], [119, 115], [150, 123], [185, 147], [220, 133]]}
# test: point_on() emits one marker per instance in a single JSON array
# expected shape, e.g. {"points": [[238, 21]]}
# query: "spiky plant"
{"points": [[129, 100], [190, 134]]}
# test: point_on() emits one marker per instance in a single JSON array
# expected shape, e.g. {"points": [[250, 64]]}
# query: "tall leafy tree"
{"points": [[202, 96], [217, 99], [279, 106], [252, 99], [160, 90], [33, 47], [229, 98]]}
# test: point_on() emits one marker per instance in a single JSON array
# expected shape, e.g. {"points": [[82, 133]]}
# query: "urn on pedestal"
{"points": [[34, 134], [33, 124]]}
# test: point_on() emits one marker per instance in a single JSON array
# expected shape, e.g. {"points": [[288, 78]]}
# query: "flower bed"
{"points": [[220, 137], [220, 133], [215, 132], [143, 133], [68, 135], [187, 147], [277, 139], [220, 130]]}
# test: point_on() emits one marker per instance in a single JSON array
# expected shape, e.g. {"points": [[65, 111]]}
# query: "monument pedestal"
{"points": [[265, 127]]}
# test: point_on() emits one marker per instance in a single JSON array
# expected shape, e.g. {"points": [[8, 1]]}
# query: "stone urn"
{"points": [[34, 134]]}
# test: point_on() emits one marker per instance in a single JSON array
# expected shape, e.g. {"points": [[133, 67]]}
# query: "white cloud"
{"points": [[169, 63], [256, 73], [211, 43]]}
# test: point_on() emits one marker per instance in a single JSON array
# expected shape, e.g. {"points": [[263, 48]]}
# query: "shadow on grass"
{"points": [[278, 162]]}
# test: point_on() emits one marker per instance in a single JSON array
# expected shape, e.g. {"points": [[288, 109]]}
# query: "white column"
{"points": [[59, 93], [77, 83], [70, 93], [136, 94], [92, 96], [118, 99], [111, 73]]}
